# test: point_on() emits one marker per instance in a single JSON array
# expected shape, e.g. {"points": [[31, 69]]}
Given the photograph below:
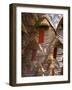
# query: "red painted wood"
{"points": [[41, 35]]}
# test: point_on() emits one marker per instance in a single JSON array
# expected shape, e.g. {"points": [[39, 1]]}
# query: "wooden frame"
{"points": [[13, 44]]}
